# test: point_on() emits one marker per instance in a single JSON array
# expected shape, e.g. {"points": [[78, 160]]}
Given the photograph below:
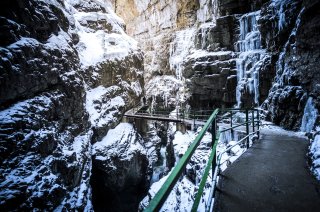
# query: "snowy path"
{"points": [[271, 176]]}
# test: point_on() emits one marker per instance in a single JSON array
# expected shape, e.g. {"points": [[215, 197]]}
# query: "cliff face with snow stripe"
{"points": [[68, 73]]}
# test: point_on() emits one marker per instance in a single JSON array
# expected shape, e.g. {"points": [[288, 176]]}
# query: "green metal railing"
{"points": [[165, 190], [161, 196]]}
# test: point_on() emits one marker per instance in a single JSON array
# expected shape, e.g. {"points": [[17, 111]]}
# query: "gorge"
{"points": [[70, 69]]}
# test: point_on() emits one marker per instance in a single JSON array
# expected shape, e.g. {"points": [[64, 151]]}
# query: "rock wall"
{"points": [[179, 39], [42, 114], [119, 170], [183, 43], [159, 28], [68, 72], [297, 76]]}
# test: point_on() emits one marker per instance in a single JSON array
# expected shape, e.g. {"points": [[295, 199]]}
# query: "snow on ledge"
{"points": [[103, 110], [203, 53], [123, 135], [96, 46], [270, 128]]}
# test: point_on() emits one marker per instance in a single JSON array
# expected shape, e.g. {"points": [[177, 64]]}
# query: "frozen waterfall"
{"points": [[179, 49], [249, 60], [309, 116]]}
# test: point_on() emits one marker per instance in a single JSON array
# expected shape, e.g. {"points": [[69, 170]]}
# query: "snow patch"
{"points": [[23, 42], [203, 53], [108, 43], [91, 47], [101, 108], [60, 41], [122, 135], [270, 128], [165, 87]]}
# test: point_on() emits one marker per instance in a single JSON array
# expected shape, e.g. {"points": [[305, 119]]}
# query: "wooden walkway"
{"points": [[270, 176]]}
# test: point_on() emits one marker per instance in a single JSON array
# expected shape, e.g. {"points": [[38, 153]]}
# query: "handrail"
{"points": [[213, 163], [162, 194], [239, 125], [205, 175], [226, 150], [217, 168]]}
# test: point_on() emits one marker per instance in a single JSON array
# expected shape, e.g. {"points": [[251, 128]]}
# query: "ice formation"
{"points": [[180, 48], [250, 57], [309, 118]]}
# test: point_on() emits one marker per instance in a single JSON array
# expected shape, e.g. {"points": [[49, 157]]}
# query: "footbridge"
{"points": [[258, 181], [191, 118]]}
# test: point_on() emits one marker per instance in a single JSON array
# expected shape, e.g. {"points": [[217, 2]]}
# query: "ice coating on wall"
{"points": [[205, 11], [309, 116], [180, 48], [250, 57], [249, 33], [159, 170], [281, 4]]}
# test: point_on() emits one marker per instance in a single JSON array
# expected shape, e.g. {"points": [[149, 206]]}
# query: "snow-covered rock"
{"points": [[68, 73], [314, 152], [182, 195], [121, 168], [297, 76]]}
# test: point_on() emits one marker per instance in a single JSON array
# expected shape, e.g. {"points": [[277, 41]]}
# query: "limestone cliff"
{"points": [[183, 41], [165, 30]]}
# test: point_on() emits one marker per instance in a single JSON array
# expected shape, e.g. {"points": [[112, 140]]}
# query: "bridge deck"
{"points": [[151, 117], [161, 117], [270, 176]]}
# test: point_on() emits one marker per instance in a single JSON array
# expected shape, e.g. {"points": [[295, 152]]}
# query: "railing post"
{"points": [[214, 135], [194, 121], [247, 127], [183, 114], [252, 114], [177, 112], [231, 120], [258, 118]]}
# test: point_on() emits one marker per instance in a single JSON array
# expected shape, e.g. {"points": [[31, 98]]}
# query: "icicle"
{"points": [[248, 63], [179, 49]]}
